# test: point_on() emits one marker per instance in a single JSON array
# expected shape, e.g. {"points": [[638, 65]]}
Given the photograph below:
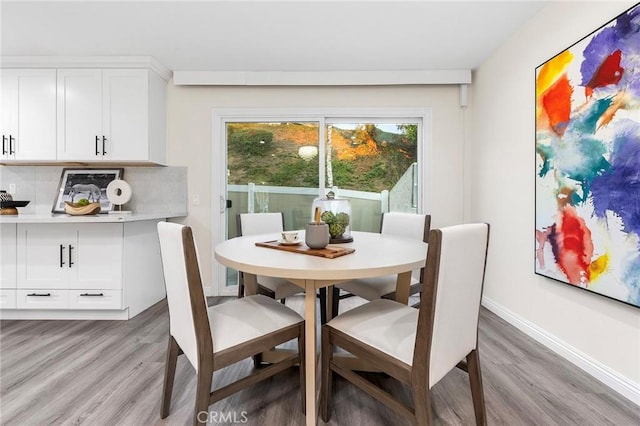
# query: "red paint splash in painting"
{"points": [[557, 104], [572, 246], [609, 72]]}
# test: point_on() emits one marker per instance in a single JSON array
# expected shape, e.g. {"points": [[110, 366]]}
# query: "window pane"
{"points": [[272, 167], [273, 154], [379, 161]]}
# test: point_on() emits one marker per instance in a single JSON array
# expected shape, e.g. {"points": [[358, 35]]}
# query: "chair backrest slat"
{"points": [[188, 318], [407, 225], [449, 310], [259, 223]]}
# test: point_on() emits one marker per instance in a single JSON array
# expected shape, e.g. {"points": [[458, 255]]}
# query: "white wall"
{"points": [[190, 142], [600, 332]]}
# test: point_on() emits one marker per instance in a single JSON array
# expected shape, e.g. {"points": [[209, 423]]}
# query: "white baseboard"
{"points": [[606, 375]]}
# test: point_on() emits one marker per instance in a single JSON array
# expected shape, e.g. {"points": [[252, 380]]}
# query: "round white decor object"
{"points": [[119, 192]]}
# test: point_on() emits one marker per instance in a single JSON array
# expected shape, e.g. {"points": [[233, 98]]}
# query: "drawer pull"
{"points": [[97, 151], [40, 294], [70, 262], [92, 294]]}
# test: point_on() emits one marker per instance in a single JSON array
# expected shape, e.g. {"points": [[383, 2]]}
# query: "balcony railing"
{"points": [[296, 202]]}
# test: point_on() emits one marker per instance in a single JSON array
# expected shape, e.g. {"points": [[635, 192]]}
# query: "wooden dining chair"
{"points": [[265, 223], [408, 225], [276, 288], [418, 347], [216, 337]]}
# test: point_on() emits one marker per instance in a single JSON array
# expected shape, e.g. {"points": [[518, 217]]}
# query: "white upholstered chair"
{"points": [[264, 223], [407, 225], [418, 347], [213, 338], [276, 288]]}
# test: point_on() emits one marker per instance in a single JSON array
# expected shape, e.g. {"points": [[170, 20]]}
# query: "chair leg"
{"points": [[326, 375], [322, 295], [422, 403], [169, 374], [336, 300], [203, 394], [257, 360], [240, 286], [301, 353], [477, 392]]}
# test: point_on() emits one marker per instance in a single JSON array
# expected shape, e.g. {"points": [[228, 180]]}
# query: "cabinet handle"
{"points": [[40, 294], [4, 146], [92, 295], [70, 262], [61, 252], [11, 140], [103, 142], [97, 139]]}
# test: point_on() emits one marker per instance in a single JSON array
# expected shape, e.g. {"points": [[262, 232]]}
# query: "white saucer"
{"points": [[287, 243]]}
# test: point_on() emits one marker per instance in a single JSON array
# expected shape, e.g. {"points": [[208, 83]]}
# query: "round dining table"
{"points": [[374, 255]]}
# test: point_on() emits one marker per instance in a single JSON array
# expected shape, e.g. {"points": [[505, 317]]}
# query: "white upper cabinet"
{"points": [[28, 114], [79, 114], [111, 115]]}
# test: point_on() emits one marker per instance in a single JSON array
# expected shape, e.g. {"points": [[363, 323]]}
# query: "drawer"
{"points": [[42, 299], [7, 299], [95, 299]]}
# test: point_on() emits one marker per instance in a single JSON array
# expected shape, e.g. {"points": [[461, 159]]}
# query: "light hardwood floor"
{"points": [[110, 373]]}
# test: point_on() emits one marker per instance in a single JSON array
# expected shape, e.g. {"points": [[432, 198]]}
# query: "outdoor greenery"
{"points": [[365, 158], [251, 142]]}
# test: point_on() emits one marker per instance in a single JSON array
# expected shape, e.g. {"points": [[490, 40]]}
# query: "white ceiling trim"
{"points": [[320, 78]]}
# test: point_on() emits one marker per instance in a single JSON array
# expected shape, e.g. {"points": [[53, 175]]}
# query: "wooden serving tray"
{"points": [[328, 252]]}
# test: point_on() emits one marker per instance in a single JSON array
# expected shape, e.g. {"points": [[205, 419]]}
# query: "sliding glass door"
{"points": [[282, 163]]}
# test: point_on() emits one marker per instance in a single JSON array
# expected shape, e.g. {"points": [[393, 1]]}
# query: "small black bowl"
{"points": [[5, 204]]}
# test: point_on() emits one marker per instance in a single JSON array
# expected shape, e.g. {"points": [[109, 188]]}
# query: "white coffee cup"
{"points": [[290, 236]]}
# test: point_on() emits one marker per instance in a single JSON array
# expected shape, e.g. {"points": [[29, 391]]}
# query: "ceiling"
{"points": [[267, 35]]}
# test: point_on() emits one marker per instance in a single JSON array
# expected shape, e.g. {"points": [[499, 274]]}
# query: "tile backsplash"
{"points": [[155, 189]]}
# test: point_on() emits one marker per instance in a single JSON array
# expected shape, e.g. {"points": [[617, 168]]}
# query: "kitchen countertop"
{"points": [[96, 218]]}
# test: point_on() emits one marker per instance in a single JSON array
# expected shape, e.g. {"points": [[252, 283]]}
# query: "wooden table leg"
{"points": [[310, 352], [403, 285]]}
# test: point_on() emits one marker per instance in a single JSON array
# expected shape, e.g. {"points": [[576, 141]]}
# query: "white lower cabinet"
{"points": [[95, 299], [65, 257], [7, 299], [81, 268], [8, 256], [42, 299]]}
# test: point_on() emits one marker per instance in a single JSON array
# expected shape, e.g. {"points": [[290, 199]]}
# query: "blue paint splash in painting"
{"points": [[625, 36], [618, 189]]}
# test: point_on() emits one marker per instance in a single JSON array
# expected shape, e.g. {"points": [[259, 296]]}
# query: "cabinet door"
{"points": [[29, 114], [79, 114], [8, 102], [42, 255], [125, 114], [8, 255], [97, 257]]}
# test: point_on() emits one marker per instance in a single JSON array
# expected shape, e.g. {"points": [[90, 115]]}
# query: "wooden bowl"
{"points": [[76, 210]]}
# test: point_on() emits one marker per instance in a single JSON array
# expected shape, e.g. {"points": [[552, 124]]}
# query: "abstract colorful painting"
{"points": [[588, 162]]}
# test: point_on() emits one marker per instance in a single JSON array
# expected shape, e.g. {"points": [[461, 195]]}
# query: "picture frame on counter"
{"points": [[88, 183]]}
